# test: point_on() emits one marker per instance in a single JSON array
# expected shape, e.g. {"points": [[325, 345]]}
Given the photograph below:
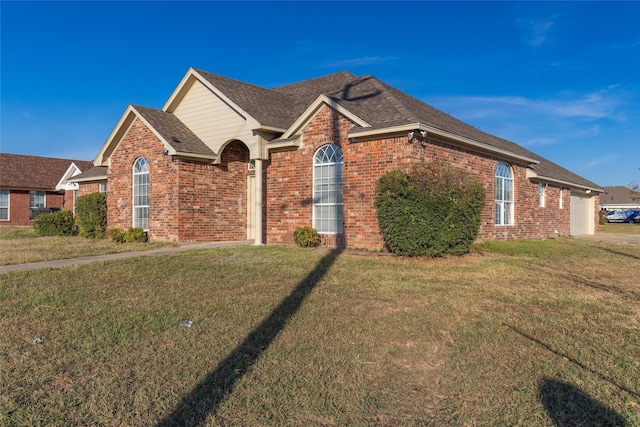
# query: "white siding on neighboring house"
{"points": [[211, 119], [582, 215]]}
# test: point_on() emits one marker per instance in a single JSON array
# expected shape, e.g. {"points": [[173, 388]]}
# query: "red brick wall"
{"points": [[88, 188], [189, 200], [289, 189], [20, 206]]}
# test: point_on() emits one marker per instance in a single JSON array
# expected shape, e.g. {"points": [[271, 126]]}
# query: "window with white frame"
{"points": [[102, 187], [541, 188], [560, 200], [141, 193], [4, 205], [503, 195], [327, 190], [37, 199]]}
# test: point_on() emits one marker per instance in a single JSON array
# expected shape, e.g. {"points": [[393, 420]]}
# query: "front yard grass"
{"points": [[535, 333], [20, 245], [619, 229]]}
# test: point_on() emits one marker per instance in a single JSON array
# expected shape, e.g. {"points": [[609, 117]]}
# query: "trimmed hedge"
{"points": [[91, 214], [433, 209], [59, 223]]}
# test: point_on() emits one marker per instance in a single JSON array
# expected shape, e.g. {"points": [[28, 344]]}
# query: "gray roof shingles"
{"points": [[174, 131]]}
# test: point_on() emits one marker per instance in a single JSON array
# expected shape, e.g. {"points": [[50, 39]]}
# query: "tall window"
{"points": [[4, 205], [141, 193], [504, 195], [37, 199], [327, 190], [541, 188]]}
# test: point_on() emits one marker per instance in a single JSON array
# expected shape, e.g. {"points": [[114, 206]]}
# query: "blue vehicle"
{"points": [[624, 215]]}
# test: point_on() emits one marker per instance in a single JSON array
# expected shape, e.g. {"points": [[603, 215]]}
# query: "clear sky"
{"points": [[559, 78]]}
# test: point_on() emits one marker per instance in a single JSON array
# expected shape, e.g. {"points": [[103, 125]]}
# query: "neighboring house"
{"points": [[30, 184], [225, 160], [619, 197]]}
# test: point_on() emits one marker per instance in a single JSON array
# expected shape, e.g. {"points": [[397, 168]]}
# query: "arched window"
{"points": [[141, 193], [327, 190], [504, 195]]}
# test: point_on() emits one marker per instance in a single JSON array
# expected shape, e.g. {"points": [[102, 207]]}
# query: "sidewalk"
{"points": [[110, 257], [614, 239]]}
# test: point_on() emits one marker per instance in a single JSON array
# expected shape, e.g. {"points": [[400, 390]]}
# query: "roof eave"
{"points": [[359, 134], [532, 175]]}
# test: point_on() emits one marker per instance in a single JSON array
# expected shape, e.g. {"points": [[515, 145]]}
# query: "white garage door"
{"points": [[582, 215]]}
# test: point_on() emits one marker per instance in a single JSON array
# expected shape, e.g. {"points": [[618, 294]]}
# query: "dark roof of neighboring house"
{"points": [[374, 101], [23, 172], [176, 133], [619, 195]]}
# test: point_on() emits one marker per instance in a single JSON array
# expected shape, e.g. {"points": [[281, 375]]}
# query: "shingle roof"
{"points": [[619, 195], [23, 172], [176, 133], [377, 103], [96, 172]]}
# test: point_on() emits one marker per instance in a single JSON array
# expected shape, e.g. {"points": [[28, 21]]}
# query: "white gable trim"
{"points": [[314, 108], [64, 183], [186, 82]]}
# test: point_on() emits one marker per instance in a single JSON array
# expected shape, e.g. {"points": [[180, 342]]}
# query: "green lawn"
{"points": [[615, 229], [517, 333]]}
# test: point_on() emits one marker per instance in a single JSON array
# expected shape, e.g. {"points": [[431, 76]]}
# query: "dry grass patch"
{"points": [[21, 245], [517, 333], [622, 229]]}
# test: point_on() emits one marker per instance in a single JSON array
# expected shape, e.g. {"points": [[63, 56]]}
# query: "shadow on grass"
{"points": [[568, 406], [618, 253], [575, 362], [206, 397]]}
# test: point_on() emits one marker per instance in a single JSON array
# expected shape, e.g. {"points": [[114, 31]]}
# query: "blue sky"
{"points": [[559, 78]]}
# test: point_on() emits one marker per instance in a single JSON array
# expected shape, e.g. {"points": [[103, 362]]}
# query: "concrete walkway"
{"points": [[110, 257], [614, 239]]}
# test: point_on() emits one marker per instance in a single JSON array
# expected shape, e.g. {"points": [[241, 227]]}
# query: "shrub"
{"points": [[132, 235], [432, 209], [91, 213], [116, 234], [306, 237], [135, 235], [59, 223]]}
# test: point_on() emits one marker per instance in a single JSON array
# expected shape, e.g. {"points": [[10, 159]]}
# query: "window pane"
{"points": [[327, 189], [141, 193]]}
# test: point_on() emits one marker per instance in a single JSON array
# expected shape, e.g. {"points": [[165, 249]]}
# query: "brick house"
{"points": [[29, 184], [225, 160]]}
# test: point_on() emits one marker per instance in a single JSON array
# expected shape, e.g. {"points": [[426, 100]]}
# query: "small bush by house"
{"points": [[432, 209], [59, 223], [132, 235], [306, 237]]}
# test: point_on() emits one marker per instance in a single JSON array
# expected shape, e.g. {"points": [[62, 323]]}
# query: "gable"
{"points": [[211, 118]]}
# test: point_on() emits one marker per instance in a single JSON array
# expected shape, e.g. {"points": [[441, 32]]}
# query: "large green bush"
{"points": [[91, 213], [431, 209], [59, 223]]}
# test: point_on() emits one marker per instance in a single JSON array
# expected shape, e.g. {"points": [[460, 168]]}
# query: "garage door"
{"points": [[582, 215]]}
